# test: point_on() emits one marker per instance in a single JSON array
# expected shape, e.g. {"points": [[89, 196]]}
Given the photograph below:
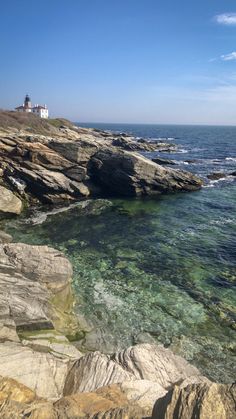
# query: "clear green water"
{"points": [[149, 270]]}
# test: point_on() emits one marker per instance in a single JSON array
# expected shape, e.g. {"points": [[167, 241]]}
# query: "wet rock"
{"points": [[197, 401], [4, 237], [129, 144], [191, 161], [9, 203], [129, 174], [163, 162], [216, 176]]}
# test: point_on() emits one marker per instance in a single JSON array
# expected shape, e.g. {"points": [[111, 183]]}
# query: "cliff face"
{"points": [[71, 163]]}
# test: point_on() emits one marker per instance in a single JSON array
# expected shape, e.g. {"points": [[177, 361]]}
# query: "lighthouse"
{"points": [[39, 110], [27, 104]]}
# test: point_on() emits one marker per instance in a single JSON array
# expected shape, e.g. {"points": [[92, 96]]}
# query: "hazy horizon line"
{"points": [[156, 123]]}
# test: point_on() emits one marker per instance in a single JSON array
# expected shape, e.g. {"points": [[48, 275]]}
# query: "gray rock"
{"points": [[92, 371], [163, 162], [129, 174], [79, 162], [142, 362], [41, 372], [30, 276], [4, 237], [216, 176], [156, 363], [9, 203]]}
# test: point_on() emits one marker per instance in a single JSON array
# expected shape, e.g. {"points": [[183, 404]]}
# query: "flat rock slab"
{"points": [[29, 277], [41, 372], [9, 203]]}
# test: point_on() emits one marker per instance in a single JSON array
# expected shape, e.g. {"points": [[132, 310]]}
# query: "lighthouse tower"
{"points": [[27, 104], [39, 110]]}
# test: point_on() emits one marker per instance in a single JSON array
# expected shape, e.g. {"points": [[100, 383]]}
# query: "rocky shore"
{"points": [[68, 163], [42, 373]]}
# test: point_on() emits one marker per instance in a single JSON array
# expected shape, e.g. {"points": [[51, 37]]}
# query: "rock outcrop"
{"points": [[129, 174], [73, 163], [43, 376], [9, 203], [198, 401], [142, 362], [42, 372], [31, 278]]}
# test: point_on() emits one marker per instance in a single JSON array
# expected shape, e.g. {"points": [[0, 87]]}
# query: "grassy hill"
{"points": [[31, 123]]}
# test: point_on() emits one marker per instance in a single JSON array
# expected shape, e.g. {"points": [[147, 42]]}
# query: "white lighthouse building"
{"points": [[39, 110]]}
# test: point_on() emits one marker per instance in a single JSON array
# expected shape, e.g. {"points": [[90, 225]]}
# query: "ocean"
{"points": [[159, 270]]}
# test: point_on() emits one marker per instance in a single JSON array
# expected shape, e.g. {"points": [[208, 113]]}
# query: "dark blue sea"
{"points": [[160, 270]]}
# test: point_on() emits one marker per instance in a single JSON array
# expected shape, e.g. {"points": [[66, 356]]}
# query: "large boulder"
{"points": [[129, 174], [42, 372], [49, 185], [35, 289], [198, 401], [78, 163], [106, 403], [9, 203], [142, 362], [92, 371]]}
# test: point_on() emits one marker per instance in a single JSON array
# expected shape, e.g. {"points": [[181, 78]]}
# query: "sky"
{"points": [[129, 61]]}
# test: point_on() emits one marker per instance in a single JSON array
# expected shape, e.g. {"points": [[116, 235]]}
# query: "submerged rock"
{"points": [[9, 203], [216, 175], [4, 237], [163, 162]]}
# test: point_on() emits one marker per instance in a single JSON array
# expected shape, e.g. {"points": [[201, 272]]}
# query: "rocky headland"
{"points": [[59, 163], [42, 373]]}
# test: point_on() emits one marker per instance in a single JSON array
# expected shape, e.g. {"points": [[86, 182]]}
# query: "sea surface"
{"points": [[160, 270]]}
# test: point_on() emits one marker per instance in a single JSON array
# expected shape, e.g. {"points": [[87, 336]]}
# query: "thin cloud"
{"points": [[226, 19], [229, 57]]}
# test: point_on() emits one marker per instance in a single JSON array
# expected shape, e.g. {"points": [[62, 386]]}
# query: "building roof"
{"points": [[39, 107], [20, 107]]}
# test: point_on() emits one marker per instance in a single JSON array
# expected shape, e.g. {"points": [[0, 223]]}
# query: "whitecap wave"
{"points": [[182, 150], [222, 221]]}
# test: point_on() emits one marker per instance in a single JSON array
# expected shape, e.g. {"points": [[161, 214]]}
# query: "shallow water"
{"points": [[163, 269]]}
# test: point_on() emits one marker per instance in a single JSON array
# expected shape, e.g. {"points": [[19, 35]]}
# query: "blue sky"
{"points": [[144, 61]]}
